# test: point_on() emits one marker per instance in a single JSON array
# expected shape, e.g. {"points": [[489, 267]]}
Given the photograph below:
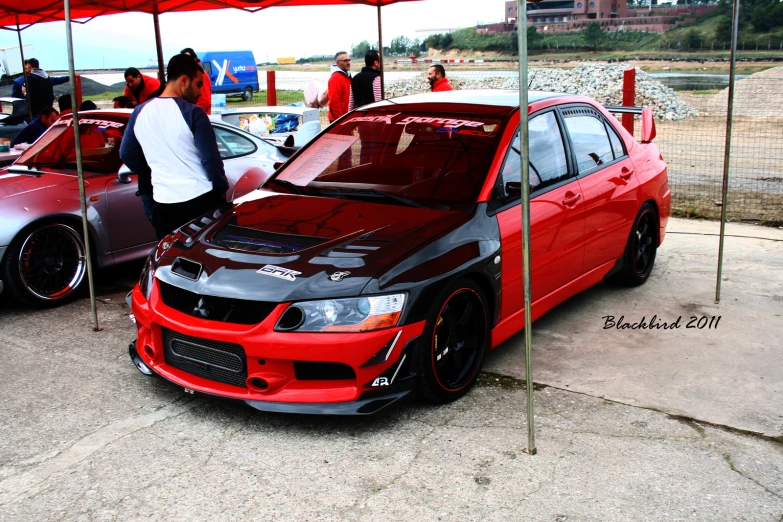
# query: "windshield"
{"points": [[100, 135], [437, 160]]}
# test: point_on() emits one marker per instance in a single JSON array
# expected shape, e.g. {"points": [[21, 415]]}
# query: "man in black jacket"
{"points": [[366, 89], [40, 87]]}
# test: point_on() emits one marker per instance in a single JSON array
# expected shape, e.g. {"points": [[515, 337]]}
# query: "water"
{"points": [[694, 82]]}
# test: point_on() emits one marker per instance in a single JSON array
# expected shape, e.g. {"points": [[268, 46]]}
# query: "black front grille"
{"points": [[251, 240], [223, 309], [213, 360]]}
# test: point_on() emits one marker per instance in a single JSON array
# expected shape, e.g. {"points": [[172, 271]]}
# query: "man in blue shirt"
{"points": [[32, 66], [170, 144], [37, 127]]}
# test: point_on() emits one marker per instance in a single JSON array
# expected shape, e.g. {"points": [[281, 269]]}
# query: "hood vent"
{"points": [[251, 240]]}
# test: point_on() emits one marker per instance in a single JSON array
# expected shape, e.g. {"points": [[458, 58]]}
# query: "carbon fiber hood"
{"points": [[286, 247]]}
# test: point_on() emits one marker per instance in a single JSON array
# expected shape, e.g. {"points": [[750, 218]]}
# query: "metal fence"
{"points": [[693, 146]]}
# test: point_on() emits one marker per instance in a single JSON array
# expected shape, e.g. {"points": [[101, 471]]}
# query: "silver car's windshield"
{"points": [[100, 137]]}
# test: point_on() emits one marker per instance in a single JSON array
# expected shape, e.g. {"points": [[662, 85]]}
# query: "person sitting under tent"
{"points": [[37, 127]]}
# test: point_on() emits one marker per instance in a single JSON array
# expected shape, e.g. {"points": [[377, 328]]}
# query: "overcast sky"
{"points": [[128, 39]]}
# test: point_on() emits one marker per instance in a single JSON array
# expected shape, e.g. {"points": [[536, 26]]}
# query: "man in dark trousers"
{"points": [[366, 89], [170, 144], [37, 127], [40, 87]]}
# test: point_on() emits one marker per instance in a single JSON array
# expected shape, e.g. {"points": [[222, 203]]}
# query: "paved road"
{"points": [[630, 426]]}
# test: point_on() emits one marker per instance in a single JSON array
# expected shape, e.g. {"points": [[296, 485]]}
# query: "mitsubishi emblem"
{"points": [[201, 309]]}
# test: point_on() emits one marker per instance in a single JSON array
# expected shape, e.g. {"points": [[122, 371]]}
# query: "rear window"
{"points": [[101, 136], [435, 159]]}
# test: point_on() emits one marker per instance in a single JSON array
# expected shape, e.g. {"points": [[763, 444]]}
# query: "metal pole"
{"points": [[158, 45], [79, 167], [523, 156], [380, 52], [727, 147], [24, 71]]}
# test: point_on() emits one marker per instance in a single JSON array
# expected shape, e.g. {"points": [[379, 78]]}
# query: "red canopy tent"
{"points": [[18, 16]]}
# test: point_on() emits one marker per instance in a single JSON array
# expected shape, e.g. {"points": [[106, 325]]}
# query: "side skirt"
{"points": [[516, 322]]}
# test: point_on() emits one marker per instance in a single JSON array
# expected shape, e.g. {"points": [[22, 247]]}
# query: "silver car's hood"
{"points": [[13, 184]]}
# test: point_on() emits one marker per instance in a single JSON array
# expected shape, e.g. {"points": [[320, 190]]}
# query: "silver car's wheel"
{"points": [[47, 265]]}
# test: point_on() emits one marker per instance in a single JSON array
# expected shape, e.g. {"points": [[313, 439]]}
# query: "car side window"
{"points": [[548, 164], [617, 143], [590, 142], [232, 145]]}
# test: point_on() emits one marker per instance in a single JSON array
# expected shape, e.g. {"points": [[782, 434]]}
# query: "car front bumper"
{"points": [[316, 373]]}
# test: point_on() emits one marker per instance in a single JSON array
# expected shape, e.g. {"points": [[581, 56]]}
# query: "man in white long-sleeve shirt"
{"points": [[170, 144]]}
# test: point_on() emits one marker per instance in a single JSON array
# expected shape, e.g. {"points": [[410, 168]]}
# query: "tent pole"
{"points": [[380, 52], [525, 168], [79, 166], [24, 71], [158, 45], [727, 147]]}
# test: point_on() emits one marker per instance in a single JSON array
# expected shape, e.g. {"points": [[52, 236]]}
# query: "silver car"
{"points": [[42, 257]]}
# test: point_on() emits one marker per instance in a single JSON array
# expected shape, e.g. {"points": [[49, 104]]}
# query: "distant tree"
{"points": [[446, 41], [360, 49], [593, 35], [423, 46], [400, 44], [433, 41], [532, 38], [723, 29], [692, 40]]}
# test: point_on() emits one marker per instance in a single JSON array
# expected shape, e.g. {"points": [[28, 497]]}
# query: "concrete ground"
{"points": [[680, 424]]}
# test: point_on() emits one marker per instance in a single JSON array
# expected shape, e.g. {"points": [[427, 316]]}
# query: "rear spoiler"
{"points": [[648, 123]]}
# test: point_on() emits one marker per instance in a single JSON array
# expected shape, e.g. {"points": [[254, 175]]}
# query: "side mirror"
{"points": [[124, 175], [648, 125], [514, 188], [278, 164]]}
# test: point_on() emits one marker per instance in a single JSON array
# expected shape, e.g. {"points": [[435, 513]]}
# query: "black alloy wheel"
{"points": [[641, 248], [456, 341], [45, 266]]}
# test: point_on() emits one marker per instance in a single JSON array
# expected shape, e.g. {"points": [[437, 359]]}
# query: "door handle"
{"points": [[626, 173], [570, 200]]}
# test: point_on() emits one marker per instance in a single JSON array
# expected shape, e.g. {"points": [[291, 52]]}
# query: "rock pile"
{"points": [[604, 83]]}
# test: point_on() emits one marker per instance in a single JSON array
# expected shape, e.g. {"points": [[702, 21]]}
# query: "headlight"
{"points": [[360, 314], [145, 281]]}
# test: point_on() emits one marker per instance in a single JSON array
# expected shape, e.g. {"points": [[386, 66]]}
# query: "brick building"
{"points": [[556, 16]]}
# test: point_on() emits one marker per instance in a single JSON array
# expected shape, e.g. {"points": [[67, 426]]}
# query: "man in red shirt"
{"points": [[205, 100], [339, 86], [139, 88], [437, 78]]}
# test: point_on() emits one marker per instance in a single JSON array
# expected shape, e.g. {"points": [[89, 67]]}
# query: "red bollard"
{"points": [[271, 92], [629, 93], [78, 102]]}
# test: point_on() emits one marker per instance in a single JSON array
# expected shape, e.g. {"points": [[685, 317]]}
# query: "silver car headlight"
{"points": [[359, 314]]}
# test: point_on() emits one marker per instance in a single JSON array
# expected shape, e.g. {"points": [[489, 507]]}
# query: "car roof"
{"points": [[484, 97]]}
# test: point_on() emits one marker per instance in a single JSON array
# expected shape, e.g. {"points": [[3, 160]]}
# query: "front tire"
{"points": [[639, 256], [247, 94], [456, 340], [45, 265]]}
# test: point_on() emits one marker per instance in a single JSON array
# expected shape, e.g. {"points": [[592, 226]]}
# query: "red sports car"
{"points": [[385, 256]]}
